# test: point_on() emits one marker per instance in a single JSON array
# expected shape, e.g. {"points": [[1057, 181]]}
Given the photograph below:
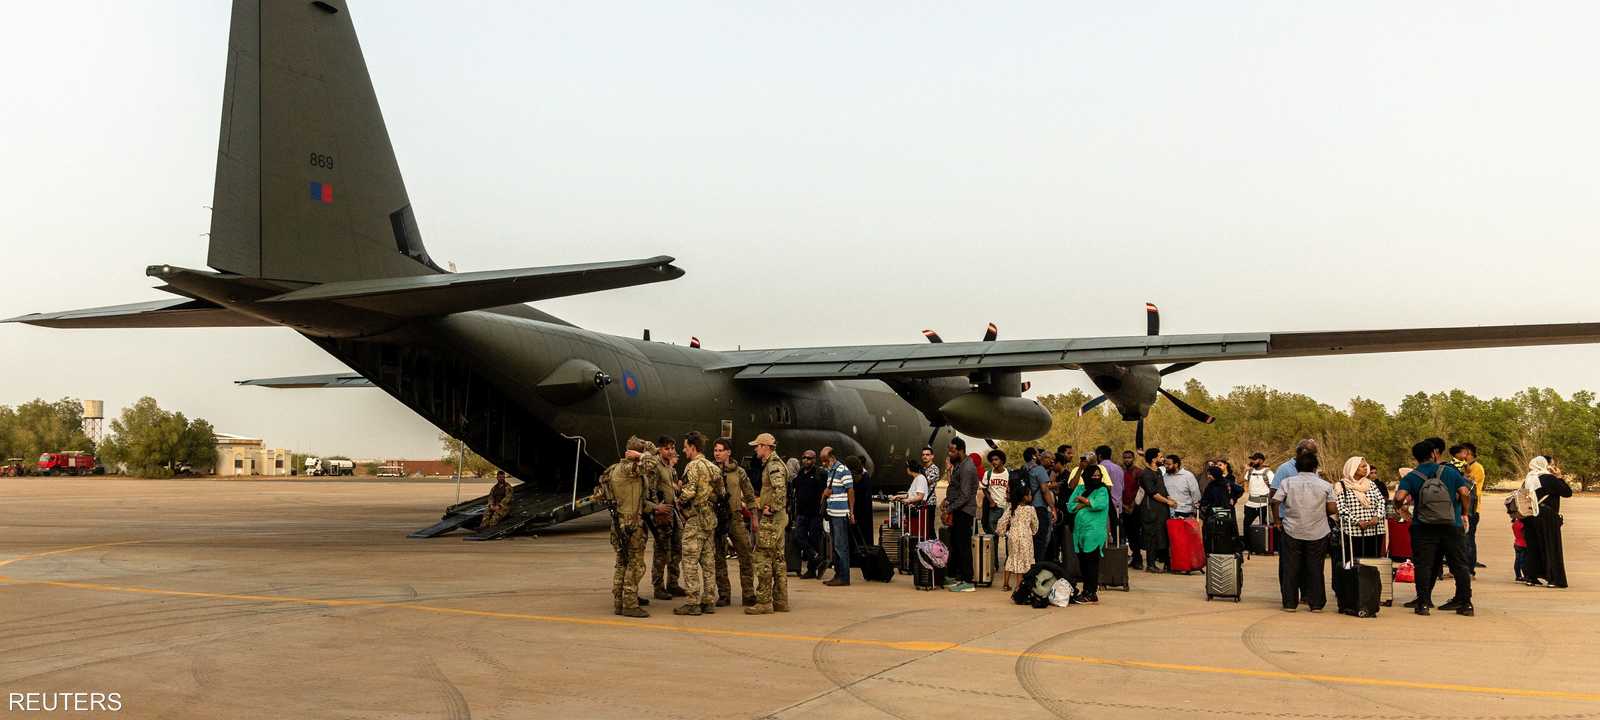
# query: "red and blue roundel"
{"points": [[630, 383]]}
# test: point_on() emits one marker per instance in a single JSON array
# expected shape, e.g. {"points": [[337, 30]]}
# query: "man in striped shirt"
{"points": [[840, 497]]}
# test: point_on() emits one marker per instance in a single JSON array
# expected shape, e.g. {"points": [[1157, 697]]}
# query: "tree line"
{"points": [[1508, 431], [40, 426], [145, 439]]}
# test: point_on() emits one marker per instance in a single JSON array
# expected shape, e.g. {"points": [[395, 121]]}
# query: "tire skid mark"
{"points": [[170, 646], [1254, 640], [455, 704], [1231, 712], [1027, 664]]}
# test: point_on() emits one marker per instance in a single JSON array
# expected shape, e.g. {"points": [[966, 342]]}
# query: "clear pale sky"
{"points": [[848, 173]]}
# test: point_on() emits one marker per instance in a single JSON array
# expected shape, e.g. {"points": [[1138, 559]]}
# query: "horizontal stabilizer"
{"points": [[443, 294], [301, 382], [176, 313]]}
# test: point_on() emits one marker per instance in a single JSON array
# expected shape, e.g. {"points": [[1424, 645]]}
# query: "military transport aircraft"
{"points": [[312, 230]]}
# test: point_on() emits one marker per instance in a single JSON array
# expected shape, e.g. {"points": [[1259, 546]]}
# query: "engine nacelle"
{"points": [[1000, 417], [1132, 389]]}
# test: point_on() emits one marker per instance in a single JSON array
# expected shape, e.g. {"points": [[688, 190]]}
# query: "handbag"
{"points": [[1405, 572]]}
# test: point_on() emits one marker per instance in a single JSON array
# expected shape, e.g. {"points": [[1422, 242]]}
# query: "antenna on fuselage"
{"points": [[647, 334]]}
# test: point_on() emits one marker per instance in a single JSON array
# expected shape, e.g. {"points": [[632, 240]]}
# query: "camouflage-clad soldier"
{"points": [[695, 499], [735, 500], [666, 533], [499, 503], [622, 489], [772, 592]]}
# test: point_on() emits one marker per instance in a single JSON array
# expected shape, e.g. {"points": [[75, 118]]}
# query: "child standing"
{"points": [[1519, 543], [1018, 524]]}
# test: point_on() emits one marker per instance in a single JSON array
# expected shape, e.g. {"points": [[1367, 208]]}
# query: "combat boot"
{"points": [[643, 601], [780, 607], [748, 601], [662, 594], [633, 612], [686, 610], [678, 591], [758, 610], [708, 609], [723, 601]]}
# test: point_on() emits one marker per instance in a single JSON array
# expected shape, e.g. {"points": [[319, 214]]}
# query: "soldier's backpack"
{"points": [[1433, 501]]}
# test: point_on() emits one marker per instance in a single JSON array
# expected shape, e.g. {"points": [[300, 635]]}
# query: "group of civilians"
{"points": [[1055, 504]]}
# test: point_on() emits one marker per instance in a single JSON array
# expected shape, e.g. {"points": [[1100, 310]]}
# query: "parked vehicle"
{"points": [[319, 466], [71, 462], [13, 467]]}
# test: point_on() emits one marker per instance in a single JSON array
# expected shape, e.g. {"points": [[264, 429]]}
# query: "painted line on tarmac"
{"points": [[902, 646], [20, 558]]}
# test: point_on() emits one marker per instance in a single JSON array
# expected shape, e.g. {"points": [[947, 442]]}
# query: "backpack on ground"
{"points": [[1434, 506]]}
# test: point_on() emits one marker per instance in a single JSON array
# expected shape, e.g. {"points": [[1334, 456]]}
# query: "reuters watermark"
{"points": [[57, 702]]}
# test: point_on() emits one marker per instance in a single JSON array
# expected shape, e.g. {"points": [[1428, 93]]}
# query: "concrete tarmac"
{"points": [[254, 599]]}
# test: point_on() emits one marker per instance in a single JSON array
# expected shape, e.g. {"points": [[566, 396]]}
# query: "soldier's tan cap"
{"points": [[764, 439], [637, 444]]}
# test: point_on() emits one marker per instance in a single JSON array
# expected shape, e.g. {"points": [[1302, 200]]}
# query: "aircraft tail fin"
{"points": [[308, 188]]}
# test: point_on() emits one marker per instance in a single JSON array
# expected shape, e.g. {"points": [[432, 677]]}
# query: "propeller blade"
{"points": [[694, 342], [1188, 409], [992, 445], [1092, 404], [933, 435], [932, 336], [1026, 386], [1138, 435], [1152, 319], [991, 334], [1177, 368]]}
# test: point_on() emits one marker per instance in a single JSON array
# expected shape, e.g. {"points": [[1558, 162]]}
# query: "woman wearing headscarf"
{"points": [[1545, 564], [1221, 526], [1090, 506], [1362, 508]]}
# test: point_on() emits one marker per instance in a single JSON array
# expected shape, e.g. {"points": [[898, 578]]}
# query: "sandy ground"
{"points": [[220, 599]]}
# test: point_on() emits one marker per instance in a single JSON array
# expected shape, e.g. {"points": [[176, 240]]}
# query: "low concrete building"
{"points": [[240, 455]]}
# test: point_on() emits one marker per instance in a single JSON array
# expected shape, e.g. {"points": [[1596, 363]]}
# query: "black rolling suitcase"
{"points": [[1114, 564], [923, 575], [1260, 536], [791, 550], [1221, 532], [874, 562], [1357, 586]]}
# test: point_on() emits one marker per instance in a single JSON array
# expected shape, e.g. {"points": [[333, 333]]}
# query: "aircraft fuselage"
{"points": [[519, 390]]}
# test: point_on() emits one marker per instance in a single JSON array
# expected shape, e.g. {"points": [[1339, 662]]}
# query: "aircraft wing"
{"points": [[301, 382], [961, 358], [174, 313]]}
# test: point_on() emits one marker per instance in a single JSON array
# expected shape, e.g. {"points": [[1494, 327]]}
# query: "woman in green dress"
{"points": [[1089, 504]]}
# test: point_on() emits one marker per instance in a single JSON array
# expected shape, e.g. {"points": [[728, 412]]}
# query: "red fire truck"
{"points": [[72, 462]]}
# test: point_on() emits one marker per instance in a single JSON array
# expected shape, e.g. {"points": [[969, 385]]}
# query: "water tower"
{"points": [[94, 419]]}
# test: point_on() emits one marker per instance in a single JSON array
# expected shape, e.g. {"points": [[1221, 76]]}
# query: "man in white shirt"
{"points": [[1182, 488], [993, 489], [1257, 488]]}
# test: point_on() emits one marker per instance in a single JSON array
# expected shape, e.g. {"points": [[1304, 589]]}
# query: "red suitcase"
{"points": [[1399, 540], [1188, 548]]}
